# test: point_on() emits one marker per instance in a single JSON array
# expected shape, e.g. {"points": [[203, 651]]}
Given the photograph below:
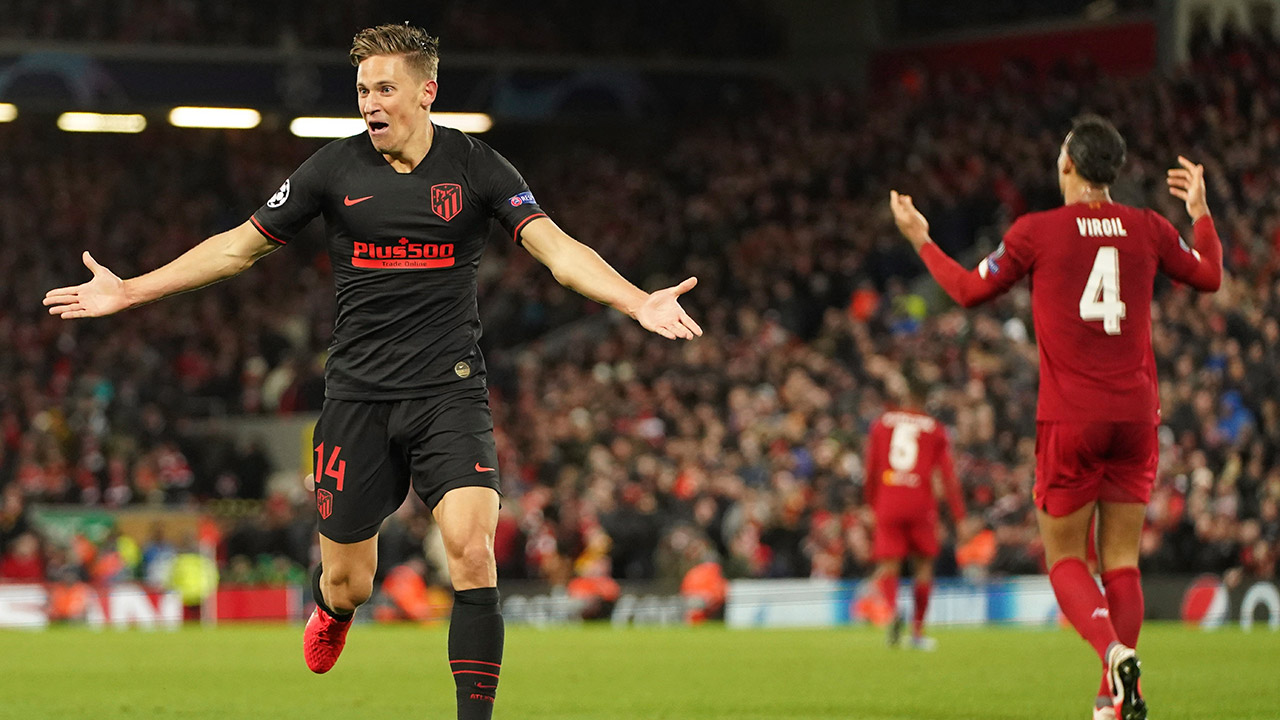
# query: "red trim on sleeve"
{"points": [[263, 230], [515, 236]]}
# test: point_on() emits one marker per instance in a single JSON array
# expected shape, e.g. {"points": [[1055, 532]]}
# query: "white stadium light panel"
{"points": [[100, 123], [8, 112], [215, 117], [466, 122], [337, 127], [326, 127]]}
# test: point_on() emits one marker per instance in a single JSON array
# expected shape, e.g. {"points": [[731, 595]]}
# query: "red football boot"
{"points": [[323, 640]]}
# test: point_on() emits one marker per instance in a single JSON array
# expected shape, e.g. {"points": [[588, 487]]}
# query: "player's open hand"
{"points": [[103, 295], [911, 222], [661, 313], [1187, 184]]}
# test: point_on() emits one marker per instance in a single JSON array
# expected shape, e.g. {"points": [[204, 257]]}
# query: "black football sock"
{"points": [[475, 650], [319, 597]]}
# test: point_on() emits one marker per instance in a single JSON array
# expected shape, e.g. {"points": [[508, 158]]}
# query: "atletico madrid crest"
{"points": [[446, 200], [324, 503]]}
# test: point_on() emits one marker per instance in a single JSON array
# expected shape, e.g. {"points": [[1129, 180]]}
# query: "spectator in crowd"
{"points": [[13, 515], [22, 561]]}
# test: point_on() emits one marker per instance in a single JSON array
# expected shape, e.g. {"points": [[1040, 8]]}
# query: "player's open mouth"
{"points": [[377, 127]]}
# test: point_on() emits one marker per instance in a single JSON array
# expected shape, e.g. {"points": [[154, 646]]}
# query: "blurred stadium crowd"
{"points": [[706, 28], [629, 456]]}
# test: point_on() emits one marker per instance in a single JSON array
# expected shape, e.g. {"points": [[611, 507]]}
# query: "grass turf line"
{"points": [[580, 673]]}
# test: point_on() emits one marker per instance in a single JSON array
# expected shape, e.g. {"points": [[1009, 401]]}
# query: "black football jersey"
{"points": [[404, 248]]}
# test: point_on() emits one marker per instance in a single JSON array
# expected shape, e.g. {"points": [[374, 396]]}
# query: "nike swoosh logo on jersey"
{"points": [[486, 687], [349, 202], [480, 468]]}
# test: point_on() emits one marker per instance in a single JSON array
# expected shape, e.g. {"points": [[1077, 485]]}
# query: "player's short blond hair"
{"points": [[420, 50]]}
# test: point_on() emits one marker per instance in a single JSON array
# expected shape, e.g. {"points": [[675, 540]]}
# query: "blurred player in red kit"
{"points": [[906, 451], [1092, 265]]}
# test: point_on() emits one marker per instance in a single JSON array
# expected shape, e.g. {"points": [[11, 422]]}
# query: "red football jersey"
{"points": [[1092, 268], [904, 450]]}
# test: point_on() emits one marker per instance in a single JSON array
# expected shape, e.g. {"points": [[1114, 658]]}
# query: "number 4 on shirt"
{"points": [[1101, 298], [337, 469]]}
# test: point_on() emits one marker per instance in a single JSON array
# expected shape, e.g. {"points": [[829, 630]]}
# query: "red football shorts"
{"points": [[1078, 464], [897, 537]]}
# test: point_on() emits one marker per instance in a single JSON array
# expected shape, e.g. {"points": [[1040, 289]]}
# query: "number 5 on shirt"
{"points": [[1101, 298]]}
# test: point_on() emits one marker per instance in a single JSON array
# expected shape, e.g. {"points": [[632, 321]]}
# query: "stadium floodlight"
{"points": [[326, 127], [8, 112], [101, 123], [464, 121], [215, 117], [337, 127]]}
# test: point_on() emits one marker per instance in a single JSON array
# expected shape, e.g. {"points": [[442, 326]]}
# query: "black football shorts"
{"points": [[366, 455]]}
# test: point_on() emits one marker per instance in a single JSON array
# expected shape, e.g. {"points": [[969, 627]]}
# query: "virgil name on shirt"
{"points": [[404, 248]]}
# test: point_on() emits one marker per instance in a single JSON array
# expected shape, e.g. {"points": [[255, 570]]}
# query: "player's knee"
{"points": [[474, 564], [348, 587], [1110, 559]]}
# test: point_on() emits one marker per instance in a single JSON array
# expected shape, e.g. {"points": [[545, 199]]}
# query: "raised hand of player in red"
{"points": [[1187, 184], [103, 295], [661, 313], [911, 222]]}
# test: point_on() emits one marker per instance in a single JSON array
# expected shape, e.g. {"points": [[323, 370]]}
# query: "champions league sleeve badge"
{"points": [[280, 197]]}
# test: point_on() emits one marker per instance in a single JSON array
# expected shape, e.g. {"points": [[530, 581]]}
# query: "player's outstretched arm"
{"points": [[1202, 269], [217, 258], [966, 287], [582, 270]]}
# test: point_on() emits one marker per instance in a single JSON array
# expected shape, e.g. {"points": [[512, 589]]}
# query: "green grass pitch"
{"points": [[399, 672]]}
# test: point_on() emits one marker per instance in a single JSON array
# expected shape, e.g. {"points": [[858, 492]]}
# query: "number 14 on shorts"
{"points": [[336, 469]]}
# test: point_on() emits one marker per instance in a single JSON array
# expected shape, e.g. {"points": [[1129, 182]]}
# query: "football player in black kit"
{"points": [[407, 208]]}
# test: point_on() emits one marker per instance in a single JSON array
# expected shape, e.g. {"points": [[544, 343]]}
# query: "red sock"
{"points": [[889, 591], [1083, 604], [922, 592], [1124, 597]]}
